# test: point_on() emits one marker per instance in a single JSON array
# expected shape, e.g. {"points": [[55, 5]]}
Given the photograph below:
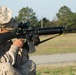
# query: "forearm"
{"points": [[10, 55], [13, 52]]}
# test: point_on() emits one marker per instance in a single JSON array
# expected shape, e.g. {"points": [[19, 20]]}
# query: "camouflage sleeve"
{"points": [[10, 55], [13, 52]]}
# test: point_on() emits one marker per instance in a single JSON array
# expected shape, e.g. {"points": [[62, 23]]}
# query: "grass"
{"points": [[65, 43], [57, 69]]}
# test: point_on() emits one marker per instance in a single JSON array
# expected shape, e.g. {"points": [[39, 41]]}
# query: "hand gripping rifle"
{"points": [[31, 35]]}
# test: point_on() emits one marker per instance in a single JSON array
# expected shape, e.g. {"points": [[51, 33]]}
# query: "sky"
{"points": [[42, 8]]}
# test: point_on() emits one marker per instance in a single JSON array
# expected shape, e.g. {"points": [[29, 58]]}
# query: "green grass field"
{"points": [[65, 43], [65, 69]]}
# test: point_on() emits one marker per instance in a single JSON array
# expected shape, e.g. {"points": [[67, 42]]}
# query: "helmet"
{"points": [[5, 15]]}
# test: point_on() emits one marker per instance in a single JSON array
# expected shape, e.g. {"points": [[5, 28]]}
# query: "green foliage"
{"points": [[65, 15], [46, 22], [27, 15]]}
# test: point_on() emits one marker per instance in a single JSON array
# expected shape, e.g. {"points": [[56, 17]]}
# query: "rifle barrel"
{"points": [[53, 30]]}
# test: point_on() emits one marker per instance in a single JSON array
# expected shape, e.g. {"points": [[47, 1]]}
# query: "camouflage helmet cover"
{"points": [[5, 15]]}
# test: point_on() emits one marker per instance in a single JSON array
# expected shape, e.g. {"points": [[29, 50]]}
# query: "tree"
{"points": [[65, 15], [27, 15], [46, 22]]}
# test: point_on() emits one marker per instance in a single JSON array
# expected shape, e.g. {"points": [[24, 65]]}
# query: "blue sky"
{"points": [[43, 8]]}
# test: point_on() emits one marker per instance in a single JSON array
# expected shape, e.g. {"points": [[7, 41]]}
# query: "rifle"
{"points": [[31, 35]]}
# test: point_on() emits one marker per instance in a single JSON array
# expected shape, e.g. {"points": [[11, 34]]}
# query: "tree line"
{"points": [[64, 17]]}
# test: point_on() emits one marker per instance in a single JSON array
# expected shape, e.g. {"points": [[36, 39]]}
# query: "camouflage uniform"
{"points": [[14, 60]]}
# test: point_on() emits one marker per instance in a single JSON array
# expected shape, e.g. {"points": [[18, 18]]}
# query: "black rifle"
{"points": [[31, 35]]}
